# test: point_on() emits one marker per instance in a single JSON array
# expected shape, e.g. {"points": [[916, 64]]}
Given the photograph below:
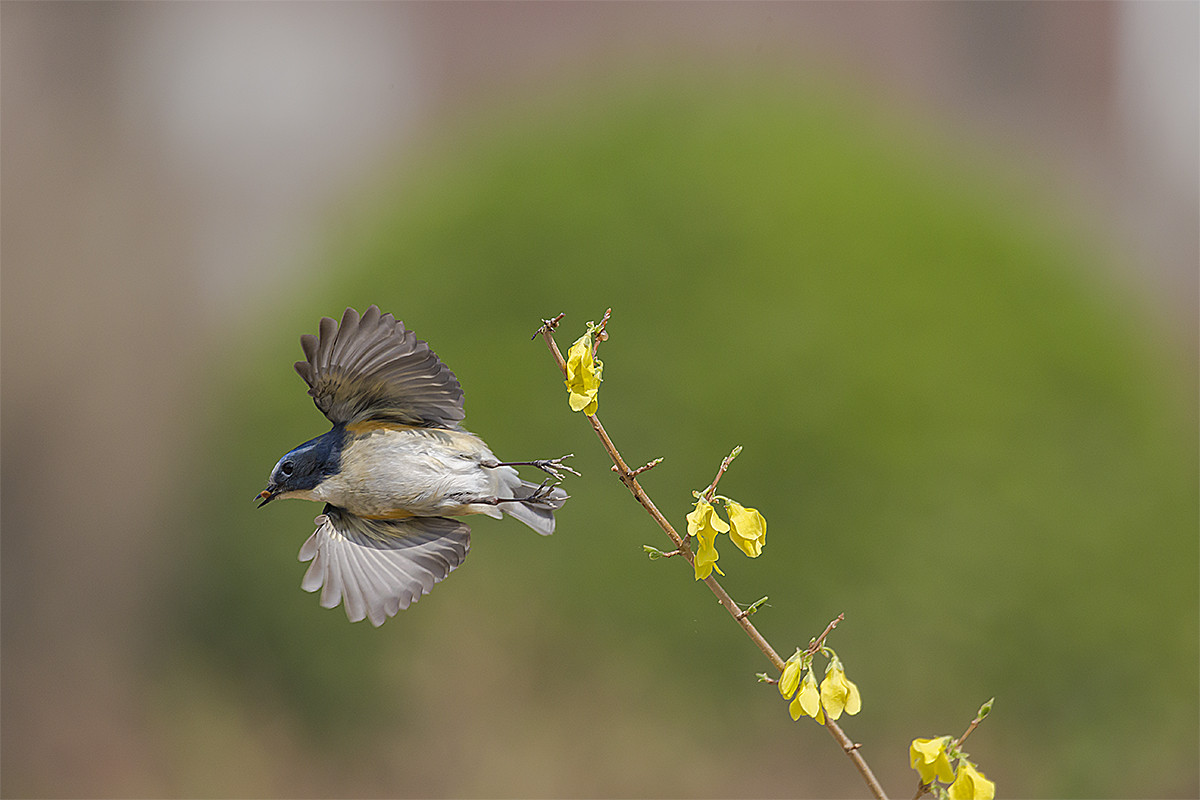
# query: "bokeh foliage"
{"points": [[959, 435]]}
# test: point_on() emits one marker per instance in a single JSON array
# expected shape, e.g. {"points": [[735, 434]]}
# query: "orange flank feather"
{"points": [[371, 425]]}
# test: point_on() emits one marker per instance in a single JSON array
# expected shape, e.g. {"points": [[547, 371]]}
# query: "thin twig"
{"points": [[629, 478], [643, 467], [984, 710], [601, 333], [850, 748], [753, 607], [548, 325], [974, 724], [923, 788], [820, 640], [708, 493]]}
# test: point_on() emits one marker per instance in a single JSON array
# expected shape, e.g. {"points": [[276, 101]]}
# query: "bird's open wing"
{"points": [[372, 368], [379, 567]]}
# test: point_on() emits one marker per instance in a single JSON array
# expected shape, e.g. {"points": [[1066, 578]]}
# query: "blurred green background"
{"points": [[984, 461], [932, 265]]}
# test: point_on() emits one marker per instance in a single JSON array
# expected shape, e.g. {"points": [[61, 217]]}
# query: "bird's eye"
{"points": [[286, 468]]}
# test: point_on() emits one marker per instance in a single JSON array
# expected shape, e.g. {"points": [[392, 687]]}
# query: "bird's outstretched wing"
{"points": [[370, 367], [378, 567]]}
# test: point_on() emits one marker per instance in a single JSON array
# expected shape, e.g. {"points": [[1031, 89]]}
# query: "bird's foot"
{"points": [[542, 494], [553, 466], [545, 490]]}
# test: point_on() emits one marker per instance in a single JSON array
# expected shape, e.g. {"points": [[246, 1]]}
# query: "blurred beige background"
{"points": [[164, 169]]}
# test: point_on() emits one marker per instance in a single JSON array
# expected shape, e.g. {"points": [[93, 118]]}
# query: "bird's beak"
{"points": [[267, 495]]}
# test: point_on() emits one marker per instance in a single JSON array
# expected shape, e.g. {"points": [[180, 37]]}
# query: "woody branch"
{"points": [[629, 478]]}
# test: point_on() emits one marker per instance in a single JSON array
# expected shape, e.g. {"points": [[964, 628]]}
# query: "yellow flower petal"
{"points": [[839, 694], [928, 758], [970, 784], [790, 678], [853, 699], [809, 698], [704, 569], [796, 708], [706, 554], [705, 516], [583, 376], [749, 529], [704, 524]]}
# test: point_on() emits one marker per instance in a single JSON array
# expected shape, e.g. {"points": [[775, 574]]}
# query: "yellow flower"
{"points": [[704, 524], [928, 758], [583, 375], [749, 528], [790, 678], [808, 700], [838, 693], [971, 784]]}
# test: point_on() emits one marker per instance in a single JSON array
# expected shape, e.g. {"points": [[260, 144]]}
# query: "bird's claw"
{"points": [[543, 492], [553, 466]]}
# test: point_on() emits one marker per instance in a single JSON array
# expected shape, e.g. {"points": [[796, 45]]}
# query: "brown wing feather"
{"points": [[371, 367]]}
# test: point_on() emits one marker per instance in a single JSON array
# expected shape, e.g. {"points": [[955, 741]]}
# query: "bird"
{"points": [[396, 470]]}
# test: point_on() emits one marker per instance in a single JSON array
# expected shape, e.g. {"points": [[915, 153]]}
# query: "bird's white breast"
{"points": [[395, 471]]}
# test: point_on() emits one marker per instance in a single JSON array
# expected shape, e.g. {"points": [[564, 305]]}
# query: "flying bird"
{"points": [[395, 470]]}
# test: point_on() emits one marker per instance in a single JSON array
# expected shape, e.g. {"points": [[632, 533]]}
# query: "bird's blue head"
{"points": [[306, 466]]}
